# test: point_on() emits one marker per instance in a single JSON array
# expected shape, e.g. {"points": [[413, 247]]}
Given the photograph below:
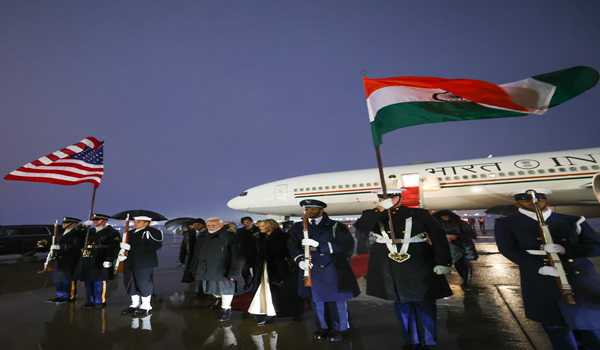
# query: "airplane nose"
{"points": [[237, 203]]}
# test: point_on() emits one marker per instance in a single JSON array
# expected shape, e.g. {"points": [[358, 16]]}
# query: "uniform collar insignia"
{"points": [[532, 215]]}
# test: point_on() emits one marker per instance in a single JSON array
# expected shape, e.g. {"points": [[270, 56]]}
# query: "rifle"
{"points": [[50, 257], [307, 278], [552, 259], [120, 267]]}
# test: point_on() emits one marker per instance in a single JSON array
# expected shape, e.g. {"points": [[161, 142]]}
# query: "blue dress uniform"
{"points": [[332, 277], [95, 265], [67, 258], [138, 275], [412, 284], [566, 325]]}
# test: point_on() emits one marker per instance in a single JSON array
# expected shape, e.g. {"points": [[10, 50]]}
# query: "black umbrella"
{"points": [[139, 212], [175, 225]]}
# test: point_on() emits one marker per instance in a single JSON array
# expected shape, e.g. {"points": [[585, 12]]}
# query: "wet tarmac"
{"points": [[488, 316]]}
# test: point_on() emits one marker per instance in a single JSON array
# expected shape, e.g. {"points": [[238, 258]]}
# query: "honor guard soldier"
{"points": [[408, 269], [331, 246], [142, 245], [99, 253], [67, 252], [518, 236]]}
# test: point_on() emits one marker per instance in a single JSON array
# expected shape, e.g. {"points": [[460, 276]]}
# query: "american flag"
{"points": [[72, 165]]}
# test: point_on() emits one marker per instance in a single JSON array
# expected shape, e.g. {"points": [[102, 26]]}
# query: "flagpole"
{"points": [[384, 189], [93, 201]]}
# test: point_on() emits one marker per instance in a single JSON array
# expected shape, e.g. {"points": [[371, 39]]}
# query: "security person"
{"points": [[417, 282], [331, 246], [518, 238], [142, 245], [95, 265], [67, 252]]}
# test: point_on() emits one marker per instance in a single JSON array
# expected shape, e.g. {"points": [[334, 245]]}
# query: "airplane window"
{"points": [[368, 184], [483, 176], [573, 168], [320, 187], [334, 187], [551, 170], [314, 188], [562, 170], [511, 173], [361, 185], [473, 176], [595, 167], [392, 176], [326, 187], [501, 174], [376, 184], [245, 193], [353, 185], [448, 178], [457, 178], [347, 186], [541, 171], [583, 168], [465, 177], [530, 172], [439, 179], [521, 172]]}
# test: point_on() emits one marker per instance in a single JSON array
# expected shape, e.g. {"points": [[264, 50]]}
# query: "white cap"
{"points": [[142, 218]]}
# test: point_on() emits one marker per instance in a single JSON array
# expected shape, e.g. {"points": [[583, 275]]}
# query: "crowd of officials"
{"points": [[269, 264]]}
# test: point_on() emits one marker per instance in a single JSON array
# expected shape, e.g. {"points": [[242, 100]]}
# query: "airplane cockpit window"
{"points": [[245, 193]]}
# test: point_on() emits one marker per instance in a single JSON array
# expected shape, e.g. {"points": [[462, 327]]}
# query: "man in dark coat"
{"points": [[416, 283], [331, 246], [67, 252], [246, 236], [219, 265], [518, 238], [95, 265], [190, 234], [142, 245]]}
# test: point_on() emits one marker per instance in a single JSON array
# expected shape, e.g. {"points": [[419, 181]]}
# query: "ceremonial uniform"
{"points": [[67, 257], [247, 241], [96, 264], [332, 278], [414, 284], [138, 274], [568, 326]]}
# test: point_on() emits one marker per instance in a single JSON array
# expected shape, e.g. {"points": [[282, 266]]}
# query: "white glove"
{"points": [[55, 247], [121, 258], [386, 203], [125, 246], [106, 264], [381, 239], [548, 271], [441, 270], [303, 265], [553, 248], [310, 242]]}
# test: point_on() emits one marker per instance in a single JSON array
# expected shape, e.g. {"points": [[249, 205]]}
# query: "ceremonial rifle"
{"points": [[307, 258], [50, 257], [118, 266], [552, 259]]}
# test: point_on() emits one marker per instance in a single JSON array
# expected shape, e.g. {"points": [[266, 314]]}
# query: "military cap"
{"points": [[199, 221], [391, 193], [313, 203], [540, 193], [70, 220], [98, 216], [142, 218]]}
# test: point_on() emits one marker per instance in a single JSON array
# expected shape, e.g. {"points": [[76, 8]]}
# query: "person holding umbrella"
{"points": [[142, 245]]}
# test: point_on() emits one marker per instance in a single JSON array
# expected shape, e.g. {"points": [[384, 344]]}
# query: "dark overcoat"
{"points": [[333, 279], [414, 279], [518, 233]]}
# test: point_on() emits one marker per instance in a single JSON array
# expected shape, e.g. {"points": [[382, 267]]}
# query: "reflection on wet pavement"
{"points": [[488, 313]]}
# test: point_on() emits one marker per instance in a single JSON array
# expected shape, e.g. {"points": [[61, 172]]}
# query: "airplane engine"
{"points": [[596, 186]]}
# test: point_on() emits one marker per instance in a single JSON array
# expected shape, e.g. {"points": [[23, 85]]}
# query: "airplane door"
{"points": [[281, 192], [411, 197]]}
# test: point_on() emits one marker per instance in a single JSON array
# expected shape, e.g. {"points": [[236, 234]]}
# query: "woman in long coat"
{"points": [[274, 280]]}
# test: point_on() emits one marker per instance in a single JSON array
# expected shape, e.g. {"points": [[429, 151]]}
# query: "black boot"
{"points": [[128, 311], [320, 335], [57, 300]]}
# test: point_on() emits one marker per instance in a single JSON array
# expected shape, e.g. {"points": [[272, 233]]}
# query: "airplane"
{"points": [[474, 184]]}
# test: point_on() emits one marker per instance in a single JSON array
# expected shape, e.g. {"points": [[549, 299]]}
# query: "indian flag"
{"points": [[398, 102]]}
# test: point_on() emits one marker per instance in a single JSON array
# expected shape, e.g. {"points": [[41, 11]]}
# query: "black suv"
{"points": [[22, 239]]}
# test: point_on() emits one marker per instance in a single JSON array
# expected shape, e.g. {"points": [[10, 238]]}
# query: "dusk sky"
{"points": [[199, 100]]}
